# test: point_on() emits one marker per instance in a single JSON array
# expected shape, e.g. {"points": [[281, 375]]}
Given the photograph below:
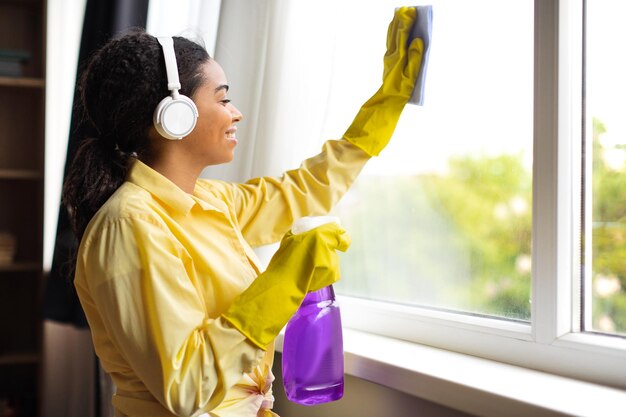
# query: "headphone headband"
{"points": [[171, 67], [175, 116]]}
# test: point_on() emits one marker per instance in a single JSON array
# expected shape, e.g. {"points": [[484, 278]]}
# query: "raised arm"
{"points": [[266, 207]]}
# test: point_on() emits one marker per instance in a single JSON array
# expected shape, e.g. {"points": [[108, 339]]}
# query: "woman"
{"points": [[181, 315]]}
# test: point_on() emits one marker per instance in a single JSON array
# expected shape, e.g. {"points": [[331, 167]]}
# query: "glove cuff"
{"points": [[235, 321]]}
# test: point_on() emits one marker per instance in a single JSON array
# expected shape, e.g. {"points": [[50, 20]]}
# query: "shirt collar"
{"points": [[156, 184]]}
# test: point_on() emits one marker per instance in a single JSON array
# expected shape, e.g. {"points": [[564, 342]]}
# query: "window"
{"points": [[469, 232]]}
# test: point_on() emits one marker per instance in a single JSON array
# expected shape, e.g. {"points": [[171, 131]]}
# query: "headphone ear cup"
{"points": [[175, 118]]}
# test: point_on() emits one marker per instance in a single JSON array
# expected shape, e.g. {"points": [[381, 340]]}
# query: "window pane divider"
{"points": [[570, 189], [547, 257]]}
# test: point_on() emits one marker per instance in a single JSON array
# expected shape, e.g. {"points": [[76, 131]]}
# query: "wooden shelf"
{"points": [[20, 174], [21, 267], [22, 171], [19, 359], [22, 82], [21, 2]]}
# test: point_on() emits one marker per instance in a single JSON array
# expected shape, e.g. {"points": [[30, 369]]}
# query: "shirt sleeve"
{"points": [[140, 294], [266, 207]]}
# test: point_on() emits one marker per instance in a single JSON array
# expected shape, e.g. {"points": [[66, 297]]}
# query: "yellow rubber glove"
{"points": [[373, 126], [304, 262]]}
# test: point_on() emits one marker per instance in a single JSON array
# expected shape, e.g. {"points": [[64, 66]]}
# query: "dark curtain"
{"points": [[103, 20]]}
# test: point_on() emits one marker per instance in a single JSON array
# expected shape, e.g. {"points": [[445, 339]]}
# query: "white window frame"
{"points": [[552, 341]]}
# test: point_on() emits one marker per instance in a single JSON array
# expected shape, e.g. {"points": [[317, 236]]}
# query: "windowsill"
{"points": [[471, 384]]}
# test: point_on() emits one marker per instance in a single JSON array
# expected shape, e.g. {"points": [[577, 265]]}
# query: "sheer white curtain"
{"points": [[195, 19], [64, 21], [68, 365]]}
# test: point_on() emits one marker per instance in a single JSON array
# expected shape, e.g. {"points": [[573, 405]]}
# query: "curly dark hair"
{"points": [[119, 89]]}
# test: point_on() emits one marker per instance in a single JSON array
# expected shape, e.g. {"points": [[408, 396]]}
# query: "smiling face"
{"points": [[214, 139]]}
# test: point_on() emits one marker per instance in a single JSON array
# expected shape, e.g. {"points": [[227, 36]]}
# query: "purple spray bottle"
{"points": [[313, 343]]}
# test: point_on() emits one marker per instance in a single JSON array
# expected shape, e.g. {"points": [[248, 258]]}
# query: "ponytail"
{"points": [[96, 172]]}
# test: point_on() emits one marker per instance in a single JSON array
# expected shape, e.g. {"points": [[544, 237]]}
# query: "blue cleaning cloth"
{"points": [[422, 28]]}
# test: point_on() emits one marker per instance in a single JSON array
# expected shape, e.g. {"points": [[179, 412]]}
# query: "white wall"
{"points": [[65, 22]]}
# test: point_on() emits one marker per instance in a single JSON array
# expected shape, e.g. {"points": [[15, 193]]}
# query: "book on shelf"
{"points": [[7, 248], [12, 62]]}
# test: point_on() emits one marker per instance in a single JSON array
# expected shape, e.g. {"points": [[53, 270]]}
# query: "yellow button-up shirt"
{"points": [[157, 266]]}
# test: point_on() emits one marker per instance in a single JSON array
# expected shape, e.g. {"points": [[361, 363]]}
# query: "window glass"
{"points": [[442, 218], [605, 99]]}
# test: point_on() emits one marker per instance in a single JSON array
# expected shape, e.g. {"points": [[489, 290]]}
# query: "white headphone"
{"points": [[175, 116]]}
